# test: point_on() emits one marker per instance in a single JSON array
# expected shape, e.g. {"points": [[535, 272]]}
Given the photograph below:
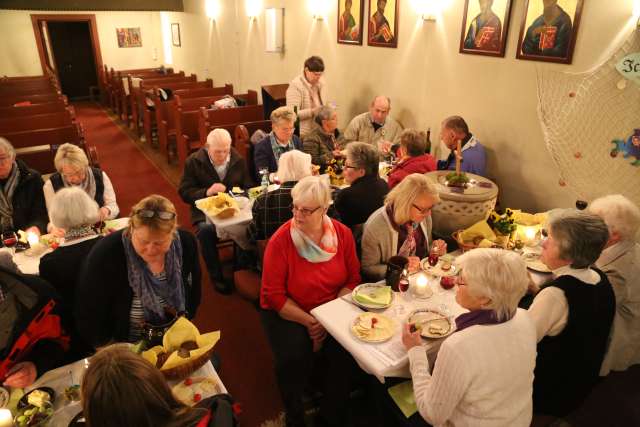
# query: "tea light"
{"points": [[6, 420], [421, 285], [530, 236], [36, 248]]}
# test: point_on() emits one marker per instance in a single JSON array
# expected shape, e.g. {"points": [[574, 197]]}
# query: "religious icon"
{"points": [[549, 29], [383, 23], [483, 32], [350, 14]]}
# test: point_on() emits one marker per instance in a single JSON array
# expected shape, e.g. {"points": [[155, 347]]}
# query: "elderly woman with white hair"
{"points": [[267, 152], [73, 170], [484, 372], [215, 168], [573, 313], [324, 141], [71, 209], [401, 227], [620, 261], [273, 208], [309, 261], [22, 205]]}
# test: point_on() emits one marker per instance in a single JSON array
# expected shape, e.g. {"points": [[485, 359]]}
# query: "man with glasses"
{"points": [[375, 126], [306, 93], [22, 205], [215, 168]]}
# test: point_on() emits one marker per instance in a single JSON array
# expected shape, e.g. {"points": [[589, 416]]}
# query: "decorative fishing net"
{"points": [[582, 114]]}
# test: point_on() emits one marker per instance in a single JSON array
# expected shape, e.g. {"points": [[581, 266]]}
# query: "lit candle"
{"points": [[32, 238], [421, 285], [458, 156], [6, 420]]}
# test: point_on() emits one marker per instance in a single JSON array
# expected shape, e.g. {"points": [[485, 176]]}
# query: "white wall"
{"points": [[425, 76], [19, 54]]}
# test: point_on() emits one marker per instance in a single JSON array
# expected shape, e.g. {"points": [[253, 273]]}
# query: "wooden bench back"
{"points": [[9, 100], [242, 141], [38, 121], [209, 119], [30, 110], [39, 88], [199, 93], [41, 157], [28, 138]]}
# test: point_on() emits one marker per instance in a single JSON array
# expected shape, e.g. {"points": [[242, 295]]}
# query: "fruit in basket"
{"points": [[181, 344]]}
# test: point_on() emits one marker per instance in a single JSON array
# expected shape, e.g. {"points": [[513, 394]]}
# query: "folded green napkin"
{"points": [[402, 394], [379, 295]]}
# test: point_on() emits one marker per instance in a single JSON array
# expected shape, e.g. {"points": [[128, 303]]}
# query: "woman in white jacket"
{"points": [[483, 375]]}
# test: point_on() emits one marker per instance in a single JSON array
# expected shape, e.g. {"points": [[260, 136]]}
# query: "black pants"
{"points": [[295, 363], [208, 239]]}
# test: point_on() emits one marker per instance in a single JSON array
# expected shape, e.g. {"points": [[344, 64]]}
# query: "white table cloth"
{"points": [[389, 359], [65, 376]]}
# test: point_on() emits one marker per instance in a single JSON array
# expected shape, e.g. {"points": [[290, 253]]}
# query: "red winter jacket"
{"points": [[420, 164]]}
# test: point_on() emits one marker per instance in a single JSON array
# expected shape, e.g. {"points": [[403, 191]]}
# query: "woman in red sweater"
{"points": [[310, 260], [413, 145]]}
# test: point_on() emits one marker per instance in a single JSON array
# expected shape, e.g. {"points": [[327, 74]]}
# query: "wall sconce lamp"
{"points": [[212, 9], [636, 11], [427, 9], [319, 9], [253, 7]]}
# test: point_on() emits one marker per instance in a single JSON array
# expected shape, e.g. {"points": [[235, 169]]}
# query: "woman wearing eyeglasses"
{"points": [[310, 260], [401, 227], [138, 277]]}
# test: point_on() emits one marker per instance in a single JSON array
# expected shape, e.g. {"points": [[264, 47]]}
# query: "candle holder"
{"points": [[420, 288]]}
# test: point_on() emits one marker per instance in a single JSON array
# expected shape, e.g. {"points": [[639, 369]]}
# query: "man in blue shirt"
{"points": [[474, 159]]}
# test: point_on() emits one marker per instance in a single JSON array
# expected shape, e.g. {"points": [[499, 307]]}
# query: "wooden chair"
{"points": [[247, 282]]}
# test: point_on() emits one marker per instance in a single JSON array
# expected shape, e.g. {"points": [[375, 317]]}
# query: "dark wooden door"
{"points": [[74, 58]]}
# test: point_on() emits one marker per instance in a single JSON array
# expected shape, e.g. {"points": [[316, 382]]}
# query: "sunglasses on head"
{"points": [[149, 213]]}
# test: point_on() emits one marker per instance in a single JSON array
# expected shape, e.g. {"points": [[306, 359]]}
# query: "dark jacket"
{"points": [[568, 364], [320, 145], [29, 208], [199, 175], [419, 164], [47, 353], [263, 156], [270, 210], [103, 298], [356, 203]]}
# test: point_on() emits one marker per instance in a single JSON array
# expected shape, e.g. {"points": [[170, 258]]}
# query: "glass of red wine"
{"points": [[403, 284], [9, 239]]}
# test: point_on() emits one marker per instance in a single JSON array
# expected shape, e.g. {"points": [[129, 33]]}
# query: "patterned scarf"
{"points": [[308, 249], [409, 245], [79, 232], [150, 288], [88, 185], [6, 197]]}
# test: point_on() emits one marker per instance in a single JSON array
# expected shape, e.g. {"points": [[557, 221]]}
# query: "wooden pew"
{"points": [[210, 118], [30, 110], [10, 100], [41, 157], [119, 85], [150, 114], [227, 89], [59, 135], [167, 126], [39, 121], [136, 94], [187, 138], [35, 88]]}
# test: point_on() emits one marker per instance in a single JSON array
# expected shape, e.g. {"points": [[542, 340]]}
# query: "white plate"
{"points": [[532, 259], [437, 270], [364, 288], [386, 327], [424, 316]]}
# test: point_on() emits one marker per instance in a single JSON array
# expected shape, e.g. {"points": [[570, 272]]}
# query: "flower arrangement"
{"points": [[503, 223], [334, 170], [457, 179]]}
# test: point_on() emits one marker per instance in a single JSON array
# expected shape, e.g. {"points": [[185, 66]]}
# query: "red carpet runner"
{"points": [[247, 365]]}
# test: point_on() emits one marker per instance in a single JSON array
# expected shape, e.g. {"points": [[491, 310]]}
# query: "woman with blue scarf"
{"points": [[483, 375], [138, 277]]}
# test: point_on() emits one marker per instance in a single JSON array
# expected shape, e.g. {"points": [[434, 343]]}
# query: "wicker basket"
{"points": [[183, 371], [464, 246]]}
